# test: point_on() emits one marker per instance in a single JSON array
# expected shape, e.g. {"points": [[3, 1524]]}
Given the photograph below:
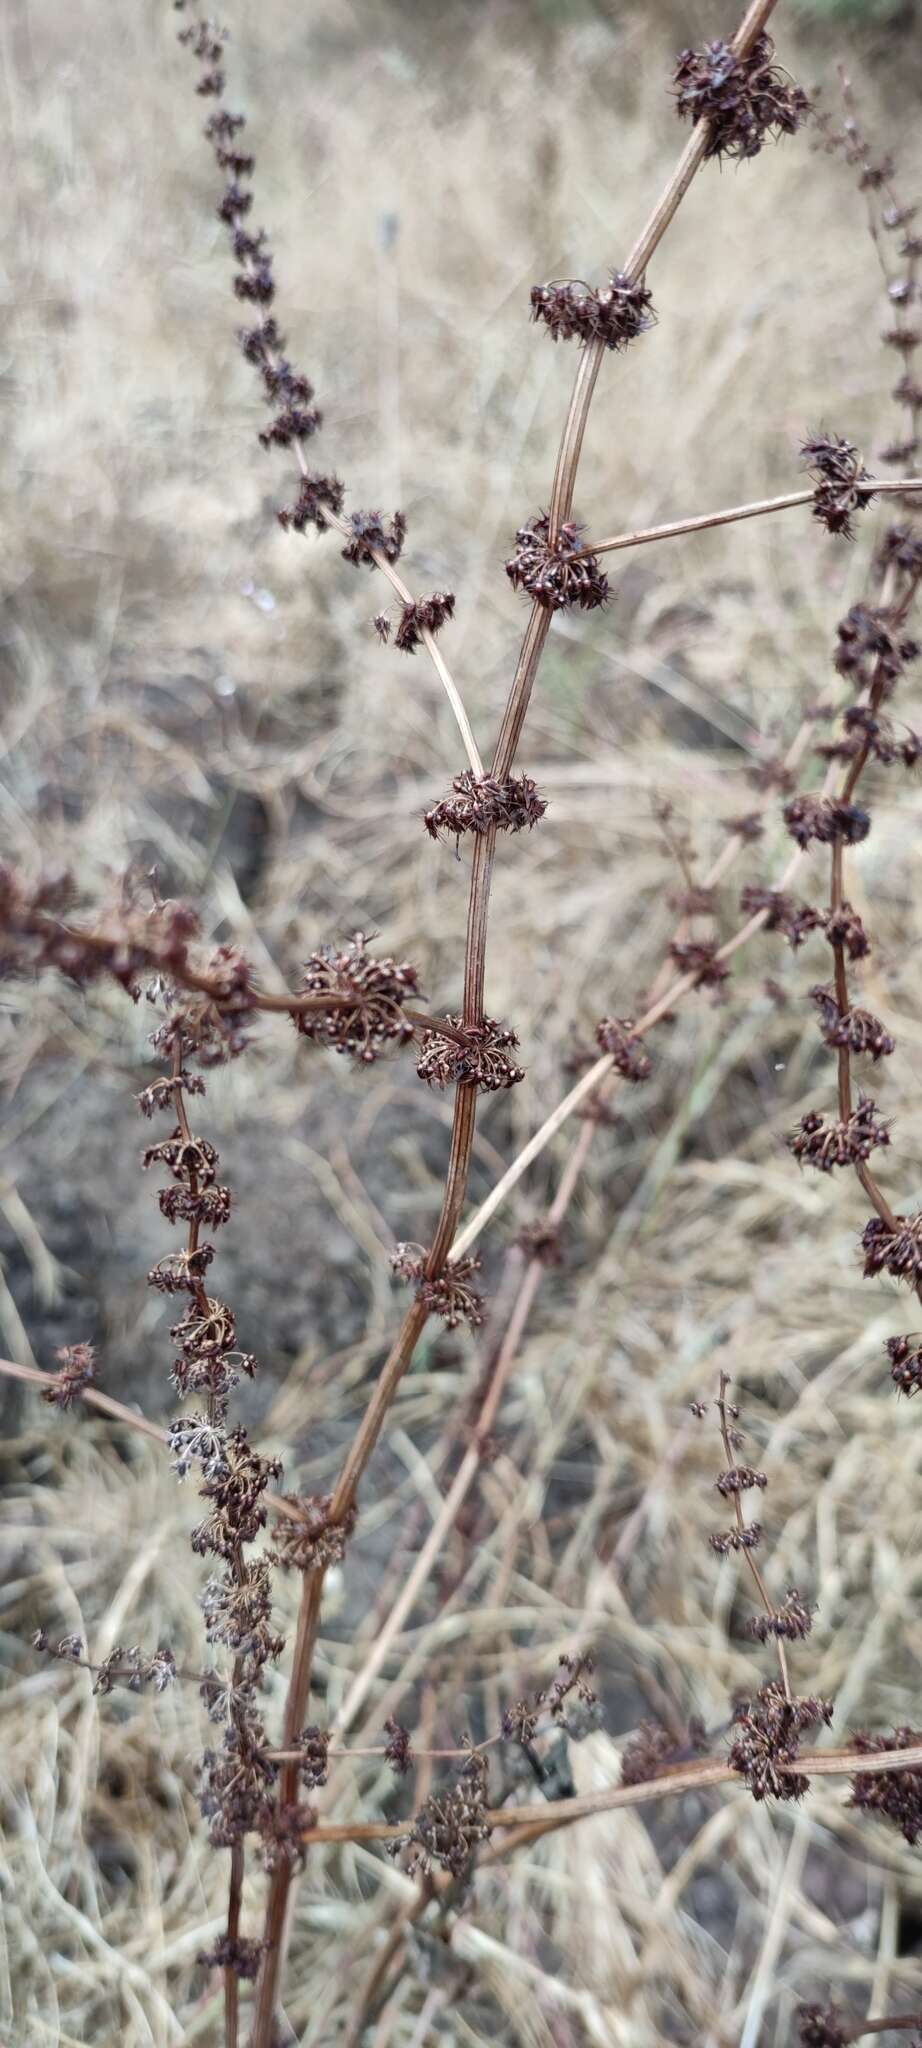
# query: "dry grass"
{"points": [[187, 684]]}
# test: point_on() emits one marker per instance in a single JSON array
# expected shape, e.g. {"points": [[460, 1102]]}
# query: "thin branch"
{"points": [[700, 524]]}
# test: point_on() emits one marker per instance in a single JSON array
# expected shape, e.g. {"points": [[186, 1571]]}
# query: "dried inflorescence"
{"points": [[855, 1029], [288, 393], [448, 1293], [895, 1796], [842, 486], [767, 1731], [896, 1250], [652, 1748], [311, 1540], [871, 648], [792, 1621], [398, 1750], [821, 2026], [613, 314], [482, 1060], [313, 1763], [317, 497], [739, 1479], [234, 1952], [76, 1371], [481, 803], [423, 615], [370, 532], [846, 1142], [556, 573], [450, 1826], [699, 957], [905, 1355], [627, 1052], [366, 1012], [825, 819], [129, 1667], [745, 100]]}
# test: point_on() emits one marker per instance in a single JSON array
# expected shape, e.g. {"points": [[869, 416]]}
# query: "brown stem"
{"points": [[705, 520]]}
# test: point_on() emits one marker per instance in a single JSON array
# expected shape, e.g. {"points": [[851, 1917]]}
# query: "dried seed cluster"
{"points": [[555, 573], [766, 1736], [450, 1826], [905, 1355], [840, 475], [826, 820], [448, 1293], [627, 1052], [483, 1059], [895, 1796], [481, 803], [367, 1013], [846, 1142], [745, 100], [613, 314], [76, 1370]]}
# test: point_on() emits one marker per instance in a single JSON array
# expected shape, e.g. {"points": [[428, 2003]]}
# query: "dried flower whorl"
{"points": [[556, 574], [366, 1014], [613, 314]]}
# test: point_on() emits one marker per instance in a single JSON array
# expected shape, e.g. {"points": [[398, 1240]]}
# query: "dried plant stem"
{"points": [[677, 1778], [474, 971], [756, 510]]}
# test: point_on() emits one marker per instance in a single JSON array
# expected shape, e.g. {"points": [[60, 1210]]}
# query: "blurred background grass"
{"points": [[185, 686]]}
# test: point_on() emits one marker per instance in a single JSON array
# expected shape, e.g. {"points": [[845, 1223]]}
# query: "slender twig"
{"points": [[872, 489]]}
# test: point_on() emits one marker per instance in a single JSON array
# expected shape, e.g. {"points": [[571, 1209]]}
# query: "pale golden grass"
{"points": [[170, 650]]}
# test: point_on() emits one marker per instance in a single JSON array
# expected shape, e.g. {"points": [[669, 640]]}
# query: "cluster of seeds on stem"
{"points": [[745, 100], [556, 573], [627, 1052], [848, 1141], [613, 314], [367, 1014], [482, 803], [482, 1058], [448, 1293], [76, 1370], [839, 471]]}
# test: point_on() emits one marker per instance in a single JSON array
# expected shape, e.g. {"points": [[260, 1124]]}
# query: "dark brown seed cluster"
{"points": [[311, 1541], [856, 1029], [367, 1014], [397, 1749], [896, 1251], [792, 1621], [825, 819], [871, 649], [895, 1796], [76, 1370], [480, 803], [555, 574], [905, 1355], [766, 1737], [294, 418], [234, 1952], [370, 531], [128, 1667], [317, 496], [747, 1538], [627, 1052], [821, 2026], [483, 1059], [652, 1748], [739, 1479], [846, 1142], [313, 1765], [699, 958], [840, 475], [450, 1826], [423, 615], [449, 1293], [745, 100], [613, 314]]}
